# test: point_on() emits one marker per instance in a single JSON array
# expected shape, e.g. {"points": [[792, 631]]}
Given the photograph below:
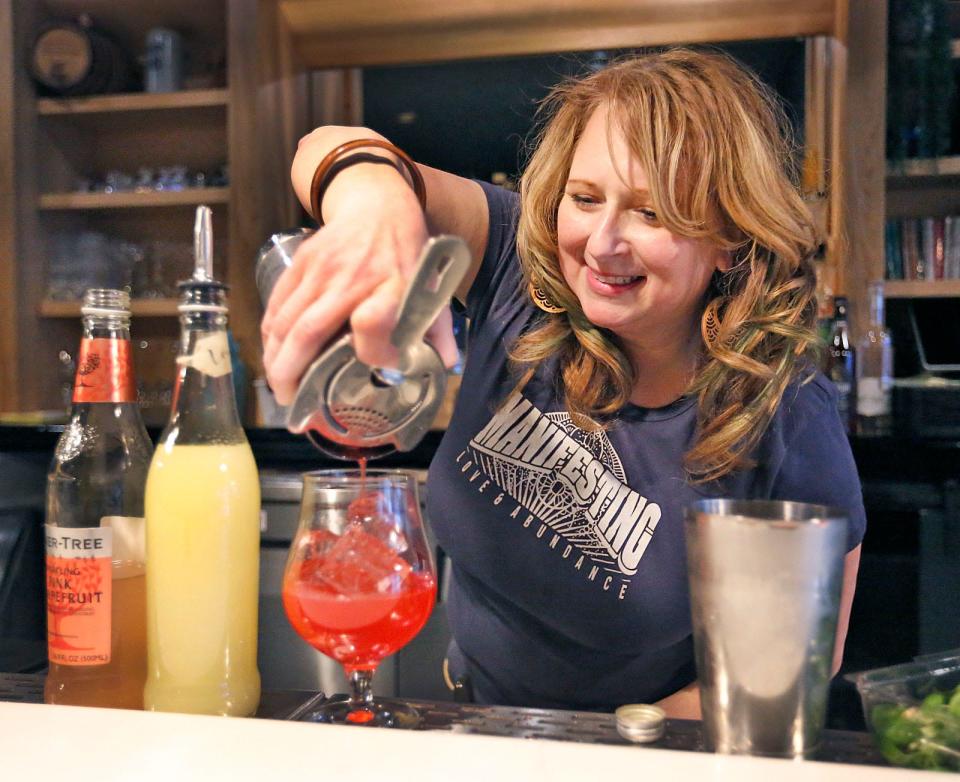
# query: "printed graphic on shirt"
{"points": [[573, 481]]}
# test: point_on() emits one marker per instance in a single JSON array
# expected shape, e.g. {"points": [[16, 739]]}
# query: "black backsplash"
{"points": [[473, 117]]}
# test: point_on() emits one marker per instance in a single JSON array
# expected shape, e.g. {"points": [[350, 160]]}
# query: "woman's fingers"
{"points": [[286, 317], [372, 323], [441, 336], [349, 271], [374, 319], [292, 317], [286, 283], [313, 329]]}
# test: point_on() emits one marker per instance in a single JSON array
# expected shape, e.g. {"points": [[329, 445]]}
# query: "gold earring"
{"points": [[711, 327], [543, 301]]}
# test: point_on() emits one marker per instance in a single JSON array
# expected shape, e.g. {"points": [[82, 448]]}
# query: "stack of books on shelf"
{"points": [[923, 248]]}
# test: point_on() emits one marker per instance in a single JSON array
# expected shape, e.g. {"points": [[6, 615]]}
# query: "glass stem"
{"points": [[361, 696]]}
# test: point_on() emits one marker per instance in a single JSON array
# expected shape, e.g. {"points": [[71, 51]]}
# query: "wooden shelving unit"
{"points": [[921, 289], [273, 48], [919, 188], [134, 101], [48, 145], [135, 200], [248, 116], [909, 172], [144, 308]]}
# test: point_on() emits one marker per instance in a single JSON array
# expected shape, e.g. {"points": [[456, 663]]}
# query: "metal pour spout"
{"points": [[203, 245]]}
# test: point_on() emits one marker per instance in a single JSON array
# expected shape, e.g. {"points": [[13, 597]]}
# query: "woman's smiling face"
{"points": [[629, 272]]}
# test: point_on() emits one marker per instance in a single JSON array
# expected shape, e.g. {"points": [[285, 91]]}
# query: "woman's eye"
{"points": [[648, 214], [581, 199]]}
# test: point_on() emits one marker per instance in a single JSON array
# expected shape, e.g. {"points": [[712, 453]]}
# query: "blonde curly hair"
{"points": [[716, 148]]}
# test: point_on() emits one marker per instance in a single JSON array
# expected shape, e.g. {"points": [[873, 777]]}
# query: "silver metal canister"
{"points": [[765, 580], [163, 62]]}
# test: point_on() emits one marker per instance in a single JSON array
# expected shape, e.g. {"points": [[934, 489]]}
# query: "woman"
{"points": [[640, 337]]}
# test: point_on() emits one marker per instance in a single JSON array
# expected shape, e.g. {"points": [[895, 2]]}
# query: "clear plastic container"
{"points": [[913, 711]]}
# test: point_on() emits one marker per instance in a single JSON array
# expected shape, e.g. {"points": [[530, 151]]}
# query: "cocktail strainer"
{"points": [[351, 410]]}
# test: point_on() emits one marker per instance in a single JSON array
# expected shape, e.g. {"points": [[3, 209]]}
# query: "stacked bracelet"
{"points": [[332, 164]]}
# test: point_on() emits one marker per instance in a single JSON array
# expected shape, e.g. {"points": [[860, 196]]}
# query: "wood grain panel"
{"points": [[267, 117], [331, 33], [134, 101], [134, 200], [921, 289], [862, 190], [938, 199], [8, 245]]}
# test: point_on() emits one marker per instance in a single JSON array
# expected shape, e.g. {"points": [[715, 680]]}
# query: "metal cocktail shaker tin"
{"points": [[765, 579], [274, 258]]}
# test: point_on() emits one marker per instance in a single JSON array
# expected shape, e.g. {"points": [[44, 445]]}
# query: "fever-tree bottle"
{"points": [[203, 522], [94, 533]]}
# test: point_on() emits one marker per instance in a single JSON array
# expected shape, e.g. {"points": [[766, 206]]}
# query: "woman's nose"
{"points": [[606, 237]]}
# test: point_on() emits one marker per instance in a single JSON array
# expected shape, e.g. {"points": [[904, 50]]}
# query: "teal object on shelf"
{"points": [[239, 375]]}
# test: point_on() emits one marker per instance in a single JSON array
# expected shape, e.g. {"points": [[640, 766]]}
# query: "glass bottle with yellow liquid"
{"points": [[203, 522]]}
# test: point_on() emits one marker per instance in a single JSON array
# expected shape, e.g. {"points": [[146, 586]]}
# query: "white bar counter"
{"points": [[41, 742]]}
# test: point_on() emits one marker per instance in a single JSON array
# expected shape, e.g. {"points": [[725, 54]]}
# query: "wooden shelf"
{"points": [[923, 168], [144, 308], [133, 200], [920, 289], [133, 101]]}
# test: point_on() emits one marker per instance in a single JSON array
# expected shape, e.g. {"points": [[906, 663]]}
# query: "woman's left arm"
{"points": [[851, 564], [683, 704]]}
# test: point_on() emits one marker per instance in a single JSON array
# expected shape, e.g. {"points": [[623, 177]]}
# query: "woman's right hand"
{"points": [[352, 269], [355, 269]]}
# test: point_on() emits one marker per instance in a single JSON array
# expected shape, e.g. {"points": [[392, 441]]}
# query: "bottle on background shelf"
{"points": [[841, 360], [203, 521], [95, 560], [874, 389]]}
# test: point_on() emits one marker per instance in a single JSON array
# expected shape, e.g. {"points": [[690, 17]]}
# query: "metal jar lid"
{"points": [[640, 722]]}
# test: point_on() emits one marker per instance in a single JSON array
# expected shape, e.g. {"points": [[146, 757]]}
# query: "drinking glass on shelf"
{"points": [[360, 582], [168, 262]]}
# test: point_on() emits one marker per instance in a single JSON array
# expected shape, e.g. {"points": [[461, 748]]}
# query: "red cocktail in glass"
{"points": [[360, 581]]}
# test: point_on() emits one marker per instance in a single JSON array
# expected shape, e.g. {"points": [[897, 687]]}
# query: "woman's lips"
{"points": [[611, 284]]}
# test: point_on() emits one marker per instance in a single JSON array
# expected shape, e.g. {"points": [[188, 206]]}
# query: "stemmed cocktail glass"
{"points": [[360, 582]]}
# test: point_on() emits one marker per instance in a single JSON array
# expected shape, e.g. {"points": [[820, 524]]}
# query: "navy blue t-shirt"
{"points": [[568, 585]]}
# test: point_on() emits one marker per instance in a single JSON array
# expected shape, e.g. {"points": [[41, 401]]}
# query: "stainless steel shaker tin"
{"points": [[275, 256], [765, 579]]}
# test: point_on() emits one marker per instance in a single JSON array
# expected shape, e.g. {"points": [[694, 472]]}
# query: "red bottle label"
{"points": [[104, 371], [79, 595]]}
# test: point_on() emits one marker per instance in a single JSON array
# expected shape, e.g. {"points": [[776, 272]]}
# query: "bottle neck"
{"points": [[105, 363], [204, 408]]}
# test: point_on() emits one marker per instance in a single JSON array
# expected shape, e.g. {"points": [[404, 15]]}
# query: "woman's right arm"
{"points": [[357, 266]]}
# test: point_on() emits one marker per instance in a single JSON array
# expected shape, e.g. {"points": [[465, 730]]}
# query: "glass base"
{"points": [[378, 713]]}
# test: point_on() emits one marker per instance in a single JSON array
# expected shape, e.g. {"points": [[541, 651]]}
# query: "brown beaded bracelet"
{"points": [[328, 169]]}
